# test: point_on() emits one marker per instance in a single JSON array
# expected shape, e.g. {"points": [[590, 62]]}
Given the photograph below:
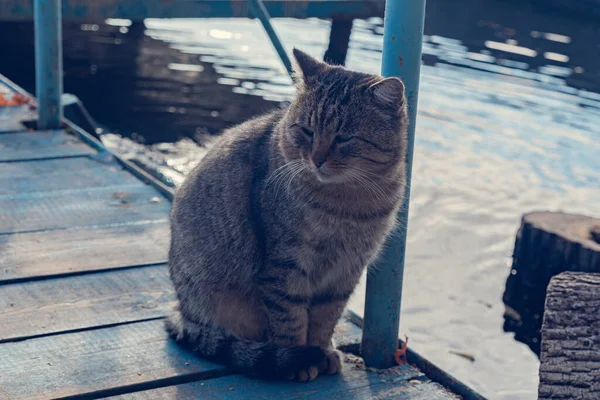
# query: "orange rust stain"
{"points": [[17, 100], [400, 354]]}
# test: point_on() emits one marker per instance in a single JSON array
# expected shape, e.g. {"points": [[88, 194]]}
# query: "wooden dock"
{"points": [[84, 287]]}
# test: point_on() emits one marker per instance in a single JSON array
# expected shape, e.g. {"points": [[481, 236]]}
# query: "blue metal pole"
{"points": [[402, 42], [48, 62], [260, 11]]}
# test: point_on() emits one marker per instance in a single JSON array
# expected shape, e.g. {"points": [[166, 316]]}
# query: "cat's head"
{"points": [[344, 125]]}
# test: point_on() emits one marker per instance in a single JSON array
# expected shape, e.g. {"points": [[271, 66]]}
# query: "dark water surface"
{"points": [[509, 118]]}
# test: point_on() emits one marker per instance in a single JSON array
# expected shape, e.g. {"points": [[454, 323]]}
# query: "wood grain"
{"points": [[11, 117], [547, 244], [47, 253], [403, 382], [82, 207], [570, 357], [121, 357], [39, 145], [81, 302], [61, 174]]}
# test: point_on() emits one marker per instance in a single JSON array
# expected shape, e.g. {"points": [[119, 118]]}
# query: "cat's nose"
{"points": [[318, 161], [319, 155]]}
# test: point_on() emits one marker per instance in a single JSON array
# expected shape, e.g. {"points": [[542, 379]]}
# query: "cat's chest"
{"points": [[332, 242]]}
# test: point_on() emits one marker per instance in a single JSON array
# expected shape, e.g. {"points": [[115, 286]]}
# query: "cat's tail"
{"points": [[264, 360]]}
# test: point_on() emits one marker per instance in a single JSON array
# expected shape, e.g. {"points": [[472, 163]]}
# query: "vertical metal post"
{"points": [[339, 40], [402, 42], [260, 11], [48, 62]]}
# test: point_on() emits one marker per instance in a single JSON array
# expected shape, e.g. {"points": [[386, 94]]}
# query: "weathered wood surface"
{"points": [[69, 251], [399, 383], [570, 357], [83, 207], [61, 174], [40, 145], [121, 358], [83, 302], [114, 360], [547, 244], [11, 118]]}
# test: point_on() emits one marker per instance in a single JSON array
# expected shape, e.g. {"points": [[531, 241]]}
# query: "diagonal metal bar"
{"points": [[260, 11]]}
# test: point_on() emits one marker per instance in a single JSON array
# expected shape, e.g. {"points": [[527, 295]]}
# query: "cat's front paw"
{"points": [[305, 375], [333, 362]]}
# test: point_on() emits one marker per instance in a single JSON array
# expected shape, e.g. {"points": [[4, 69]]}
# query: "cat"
{"points": [[271, 232]]}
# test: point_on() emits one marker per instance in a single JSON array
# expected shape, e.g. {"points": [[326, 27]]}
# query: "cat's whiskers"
{"points": [[377, 191], [279, 177], [364, 185], [385, 178], [299, 169], [284, 175], [280, 171]]}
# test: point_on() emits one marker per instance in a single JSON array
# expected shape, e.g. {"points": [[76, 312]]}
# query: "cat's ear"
{"points": [[389, 91], [306, 66]]}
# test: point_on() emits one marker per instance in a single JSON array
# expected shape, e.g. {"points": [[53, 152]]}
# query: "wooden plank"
{"points": [[39, 145], [80, 302], [138, 10], [139, 356], [134, 356], [404, 382], [11, 118], [47, 253], [60, 174], [82, 207]]}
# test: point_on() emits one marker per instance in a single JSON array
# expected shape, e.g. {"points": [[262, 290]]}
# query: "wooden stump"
{"points": [[570, 358], [547, 244]]}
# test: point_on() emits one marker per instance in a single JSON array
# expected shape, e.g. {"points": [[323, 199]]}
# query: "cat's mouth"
{"points": [[326, 174]]}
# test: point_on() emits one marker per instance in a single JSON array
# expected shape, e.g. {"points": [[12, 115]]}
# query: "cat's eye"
{"points": [[308, 132], [341, 139]]}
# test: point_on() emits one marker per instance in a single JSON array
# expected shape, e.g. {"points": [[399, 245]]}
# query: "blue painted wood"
{"points": [[126, 357], [11, 118], [48, 62], [80, 302], [60, 174], [46, 254], [402, 43], [79, 208], [99, 10], [401, 383], [40, 145], [432, 371]]}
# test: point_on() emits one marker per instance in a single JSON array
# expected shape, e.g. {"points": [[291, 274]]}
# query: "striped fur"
{"points": [[272, 230]]}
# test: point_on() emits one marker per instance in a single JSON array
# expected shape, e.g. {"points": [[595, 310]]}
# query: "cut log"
{"points": [[547, 244], [570, 357]]}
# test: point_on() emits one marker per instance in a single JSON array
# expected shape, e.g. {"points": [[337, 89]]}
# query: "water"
{"points": [[508, 123]]}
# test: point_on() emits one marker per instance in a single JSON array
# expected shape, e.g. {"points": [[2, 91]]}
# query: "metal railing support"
{"points": [[260, 11], [402, 43], [48, 62]]}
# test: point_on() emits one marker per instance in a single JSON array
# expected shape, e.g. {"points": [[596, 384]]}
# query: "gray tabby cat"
{"points": [[273, 229]]}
